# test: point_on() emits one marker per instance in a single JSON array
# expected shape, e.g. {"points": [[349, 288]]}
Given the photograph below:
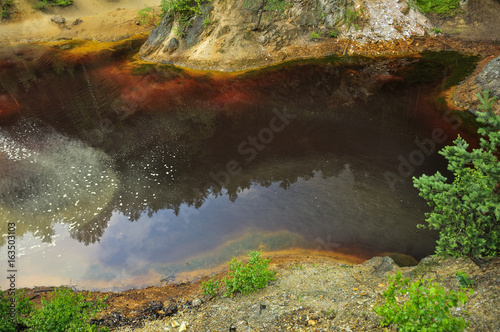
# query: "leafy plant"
{"points": [[248, 277], [206, 22], [445, 8], [420, 306], [210, 287], [147, 16], [184, 10], [436, 30], [350, 18], [467, 211], [6, 7], [463, 280], [66, 312], [315, 36], [45, 4], [278, 6], [22, 306], [334, 33]]}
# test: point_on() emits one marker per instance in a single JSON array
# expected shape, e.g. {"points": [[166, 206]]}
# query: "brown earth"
{"points": [[311, 293]]}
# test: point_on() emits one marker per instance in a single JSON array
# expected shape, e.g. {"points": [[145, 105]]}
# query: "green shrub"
{"points": [[147, 16], [248, 277], [6, 7], [463, 280], [420, 306], [440, 7], [350, 18], [66, 312], [315, 35], [23, 308], [45, 4], [210, 287], [467, 211], [184, 10], [244, 278]]}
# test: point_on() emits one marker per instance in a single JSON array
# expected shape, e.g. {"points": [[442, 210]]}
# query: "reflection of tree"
{"points": [[164, 161]]}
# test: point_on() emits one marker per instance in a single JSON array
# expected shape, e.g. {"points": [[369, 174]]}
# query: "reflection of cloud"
{"points": [[51, 178]]}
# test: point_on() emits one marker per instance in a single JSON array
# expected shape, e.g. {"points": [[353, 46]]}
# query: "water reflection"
{"points": [[293, 157]]}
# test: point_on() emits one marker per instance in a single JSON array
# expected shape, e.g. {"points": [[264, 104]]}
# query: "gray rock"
{"points": [[381, 265], [197, 302], [76, 22], [173, 45], [489, 78], [58, 19]]}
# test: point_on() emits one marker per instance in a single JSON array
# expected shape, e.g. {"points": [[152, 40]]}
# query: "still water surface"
{"points": [[114, 180]]}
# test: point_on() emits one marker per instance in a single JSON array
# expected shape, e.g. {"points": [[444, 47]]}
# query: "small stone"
{"points": [[175, 324], [311, 322], [197, 302], [76, 22], [58, 19], [405, 8], [355, 289], [183, 327]]}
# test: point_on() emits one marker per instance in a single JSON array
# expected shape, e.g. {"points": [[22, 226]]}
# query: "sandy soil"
{"points": [[106, 20]]}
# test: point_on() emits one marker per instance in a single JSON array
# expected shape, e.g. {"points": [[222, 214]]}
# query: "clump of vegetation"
{"points": [[350, 18], [445, 8], [46, 4], [334, 33], [148, 16], [463, 279], [278, 6], [210, 287], [467, 211], [315, 35], [420, 306], [65, 312], [22, 306], [183, 10], [436, 30], [243, 278], [6, 7]]}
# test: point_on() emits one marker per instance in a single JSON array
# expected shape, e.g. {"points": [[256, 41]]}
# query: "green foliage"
{"points": [[184, 10], [248, 277], [23, 308], [277, 6], [147, 16], [315, 36], [244, 278], [350, 18], [66, 312], [334, 33], [463, 280], [6, 7], [45, 4], [436, 30], [467, 211], [210, 287], [206, 22], [420, 306], [440, 7]]}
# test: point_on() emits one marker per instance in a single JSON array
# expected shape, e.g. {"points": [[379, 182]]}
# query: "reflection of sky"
{"points": [[337, 210]]}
